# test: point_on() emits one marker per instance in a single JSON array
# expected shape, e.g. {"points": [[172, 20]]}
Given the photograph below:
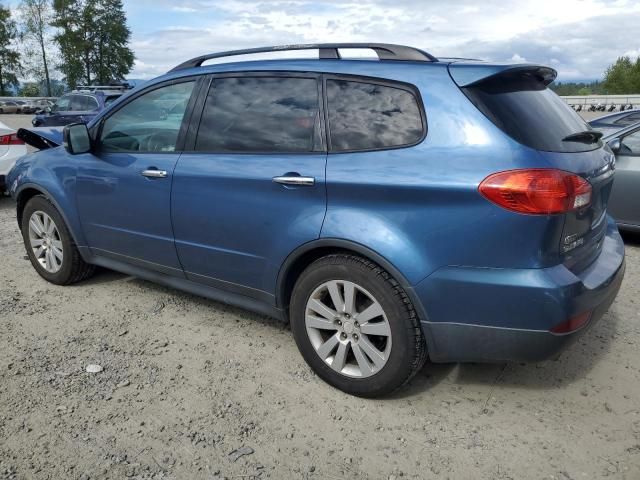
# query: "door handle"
{"points": [[295, 180], [154, 173]]}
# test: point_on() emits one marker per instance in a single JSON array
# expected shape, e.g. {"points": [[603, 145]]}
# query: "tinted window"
{"points": [[364, 116], [91, 103], [260, 114], [62, 105], [149, 123], [78, 103], [524, 108], [628, 119], [110, 99], [83, 103], [630, 145]]}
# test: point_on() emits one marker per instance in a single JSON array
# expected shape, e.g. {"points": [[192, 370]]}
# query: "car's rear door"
{"points": [[253, 187], [124, 188], [624, 203]]}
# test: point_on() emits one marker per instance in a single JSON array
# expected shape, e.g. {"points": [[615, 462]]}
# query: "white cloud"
{"points": [[578, 37]]}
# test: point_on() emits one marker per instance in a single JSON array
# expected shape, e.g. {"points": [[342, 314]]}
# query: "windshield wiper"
{"points": [[588, 136]]}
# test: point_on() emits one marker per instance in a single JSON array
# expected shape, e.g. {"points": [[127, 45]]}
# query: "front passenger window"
{"points": [[149, 123]]}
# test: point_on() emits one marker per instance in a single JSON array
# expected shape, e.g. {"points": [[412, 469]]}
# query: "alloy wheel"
{"points": [[348, 328], [45, 241]]}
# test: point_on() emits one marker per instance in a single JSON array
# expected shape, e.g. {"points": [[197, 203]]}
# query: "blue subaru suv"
{"points": [[390, 210], [81, 105]]}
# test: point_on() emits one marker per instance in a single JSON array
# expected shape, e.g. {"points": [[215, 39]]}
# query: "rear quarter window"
{"points": [[370, 116]]}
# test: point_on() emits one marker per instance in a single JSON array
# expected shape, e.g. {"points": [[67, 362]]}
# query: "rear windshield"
{"points": [[530, 113]]}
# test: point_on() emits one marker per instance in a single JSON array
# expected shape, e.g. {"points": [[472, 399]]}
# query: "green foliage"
{"points": [[9, 58], [573, 88], [36, 16], [93, 39], [623, 77], [30, 89]]}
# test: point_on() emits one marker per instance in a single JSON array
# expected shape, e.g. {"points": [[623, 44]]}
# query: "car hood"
{"points": [[41, 137]]}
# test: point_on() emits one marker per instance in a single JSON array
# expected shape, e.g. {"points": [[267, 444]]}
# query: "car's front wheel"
{"points": [[355, 326], [49, 244]]}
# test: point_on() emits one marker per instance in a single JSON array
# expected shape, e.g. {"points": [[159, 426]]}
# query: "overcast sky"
{"points": [[577, 37]]}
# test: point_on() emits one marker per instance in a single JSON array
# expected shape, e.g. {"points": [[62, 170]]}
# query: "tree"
{"points": [[36, 18], [580, 88], [30, 89], [93, 39], [9, 58], [623, 76], [113, 58]]}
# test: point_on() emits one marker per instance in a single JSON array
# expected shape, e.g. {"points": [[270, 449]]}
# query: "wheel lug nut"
{"points": [[355, 337], [343, 336]]}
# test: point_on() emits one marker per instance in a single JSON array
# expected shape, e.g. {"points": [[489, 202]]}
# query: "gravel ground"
{"points": [[186, 382]]}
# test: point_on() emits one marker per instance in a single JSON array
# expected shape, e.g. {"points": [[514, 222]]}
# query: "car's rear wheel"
{"points": [[49, 244], [355, 326]]}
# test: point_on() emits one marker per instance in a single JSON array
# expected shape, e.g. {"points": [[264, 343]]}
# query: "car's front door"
{"points": [[624, 203], [253, 187], [124, 188]]}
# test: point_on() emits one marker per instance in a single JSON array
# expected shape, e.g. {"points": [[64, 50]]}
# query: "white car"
{"points": [[11, 148]]}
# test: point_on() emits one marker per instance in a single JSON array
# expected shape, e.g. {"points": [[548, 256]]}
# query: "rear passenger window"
{"points": [[260, 114], [628, 120], [366, 116], [78, 103]]}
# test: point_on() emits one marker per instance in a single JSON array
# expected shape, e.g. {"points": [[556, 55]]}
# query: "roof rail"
{"points": [[385, 51]]}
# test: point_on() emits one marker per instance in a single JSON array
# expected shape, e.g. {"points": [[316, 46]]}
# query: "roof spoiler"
{"points": [[469, 74]]}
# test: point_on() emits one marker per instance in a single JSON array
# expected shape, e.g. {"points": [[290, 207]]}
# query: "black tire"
{"points": [[408, 352], [73, 268]]}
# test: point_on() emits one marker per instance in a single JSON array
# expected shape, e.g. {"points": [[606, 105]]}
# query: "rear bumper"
{"points": [[494, 315]]}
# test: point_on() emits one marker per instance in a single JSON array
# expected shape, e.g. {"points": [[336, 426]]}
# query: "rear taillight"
{"points": [[537, 191], [11, 139], [573, 324]]}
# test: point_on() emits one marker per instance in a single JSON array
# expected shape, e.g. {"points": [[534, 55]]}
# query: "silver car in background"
{"points": [[9, 106], [624, 202]]}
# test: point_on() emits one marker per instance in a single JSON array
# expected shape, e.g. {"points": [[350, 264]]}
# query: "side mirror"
{"points": [[76, 139], [615, 145]]}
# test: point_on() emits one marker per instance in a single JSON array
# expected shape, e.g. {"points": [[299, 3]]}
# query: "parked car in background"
{"points": [[21, 104], [624, 203], [81, 105], [44, 106], [391, 210], [33, 106], [616, 121], [9, 107], [11, 148]]}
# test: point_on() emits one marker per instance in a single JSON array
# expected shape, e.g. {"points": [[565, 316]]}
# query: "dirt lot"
{"points": [[187, 381]]}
